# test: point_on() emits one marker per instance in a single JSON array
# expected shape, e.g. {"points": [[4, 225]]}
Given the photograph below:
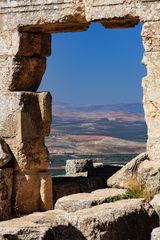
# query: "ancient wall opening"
{"points": [[114, 66]]}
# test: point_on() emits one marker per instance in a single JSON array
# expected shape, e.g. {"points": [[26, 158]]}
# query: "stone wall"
{"points": [[25, 115]]}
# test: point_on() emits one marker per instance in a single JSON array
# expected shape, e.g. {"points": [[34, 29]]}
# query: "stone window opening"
{"points": [[26, 118]]}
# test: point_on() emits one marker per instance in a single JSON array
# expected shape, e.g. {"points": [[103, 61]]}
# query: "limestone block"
{"points": [[79, 201], [15, 43], [36, 116], [2, 238], [35, 226], [21, 73], [46, 192], [127, 219], [33, 192], [148, 10], [45, 103], [122, 177], [42, 15], [74, 166], [151, 87], [30, 155], [155, 234], [27, 193], [5, 153], [34, 44], [132, 219], [152, 60], [151, 36], [148, 176], [155, 203], [6, 184], [112, 11], [27, 115], [144, 172]]}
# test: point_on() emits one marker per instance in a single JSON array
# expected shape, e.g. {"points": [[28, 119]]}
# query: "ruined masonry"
{"points": [[25, 114]]}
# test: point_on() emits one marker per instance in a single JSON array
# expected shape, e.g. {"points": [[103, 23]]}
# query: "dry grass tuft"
{"points": [[142, 192]]}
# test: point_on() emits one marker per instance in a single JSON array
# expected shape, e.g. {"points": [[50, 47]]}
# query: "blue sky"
{"points": [[99, 66]]}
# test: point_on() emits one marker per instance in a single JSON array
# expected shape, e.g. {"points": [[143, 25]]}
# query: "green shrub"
{"points": [[128, 195]]}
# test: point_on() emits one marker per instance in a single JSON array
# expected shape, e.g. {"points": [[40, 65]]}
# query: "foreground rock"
{"points": [[6, 180], [121, 178], [34, 226], [127, 219], [79, 201], [155, 203], [5, 153], [140, 169], [155, 234]]}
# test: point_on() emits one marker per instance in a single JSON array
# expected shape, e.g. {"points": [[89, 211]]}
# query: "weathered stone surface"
{"points": [[2, 238], [30, 155], [22, 73], [146, 173], [26, 44], [33, 192], [148, 176], [121, 178], [42, 15], [155, 203], [46, 192], [25, 29], [53, 16], [155, 234], [27, 193], [5, 153], [27, 116], [151, 102], [35, 226], [79, 201], [74, 166], [151, 36], [128, 219], [6, 187]]}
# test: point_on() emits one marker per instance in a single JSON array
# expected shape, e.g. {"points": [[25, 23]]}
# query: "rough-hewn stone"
{"points": [[74, 166], [6, 187], [155, 234], [28, 115], [79, 201], [26, 44], [46, 191], [25, 40], [155, 203], [128, 219], [141, 171], [121, 178], [23, 73], [32, 192], [5, 153]]}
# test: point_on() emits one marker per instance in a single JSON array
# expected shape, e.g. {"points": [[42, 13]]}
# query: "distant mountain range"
{"points": [[129, 108], [97, 129]]}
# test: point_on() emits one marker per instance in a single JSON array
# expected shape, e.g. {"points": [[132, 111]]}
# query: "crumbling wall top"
{"points": [[73, 15]]}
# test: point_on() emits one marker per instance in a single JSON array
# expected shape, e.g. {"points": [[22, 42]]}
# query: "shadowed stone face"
{"points": [[25, 42]]}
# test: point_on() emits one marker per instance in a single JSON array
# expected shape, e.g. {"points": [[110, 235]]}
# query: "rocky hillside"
{"points": [[97, 129]]}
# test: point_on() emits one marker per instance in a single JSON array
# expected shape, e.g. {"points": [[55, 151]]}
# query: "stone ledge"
{"points": [[79, 201], [128, 219]]}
